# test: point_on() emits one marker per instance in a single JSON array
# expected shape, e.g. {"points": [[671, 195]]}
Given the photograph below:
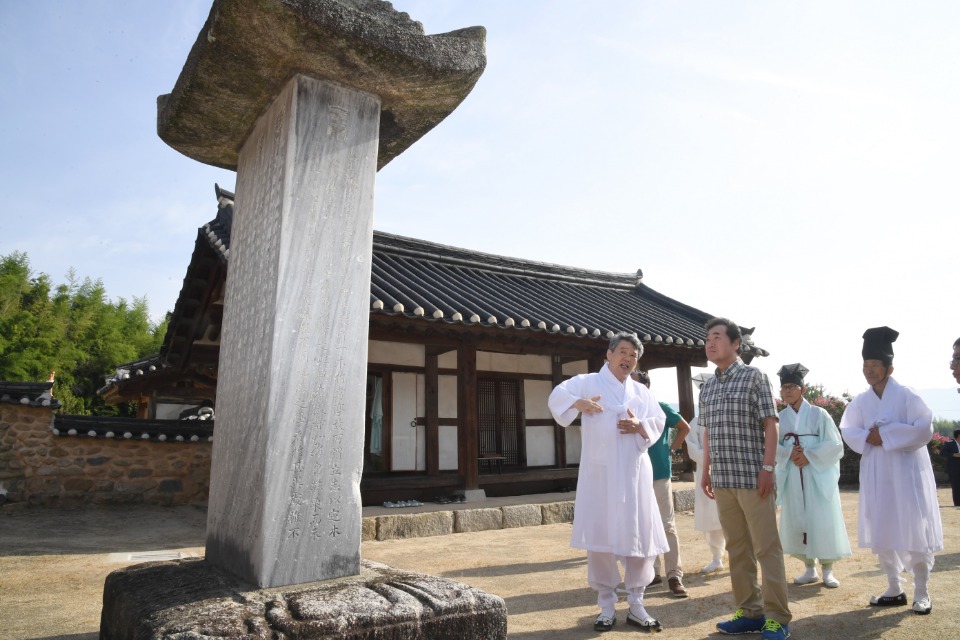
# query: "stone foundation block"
{"points": [[415, 525], [194, 599], [522, 515], [467, 520], [683, 500], [555, 512], [368, 529]]}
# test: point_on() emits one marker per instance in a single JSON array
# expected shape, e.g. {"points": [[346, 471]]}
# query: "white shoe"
{"points": [[713, 567], [829, 580], [922, 606], [809, 576]]}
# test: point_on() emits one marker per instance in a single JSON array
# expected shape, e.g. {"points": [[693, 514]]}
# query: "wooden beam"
{"points": [[432, 409], [559, 433], [685, 391], [467, 408]]}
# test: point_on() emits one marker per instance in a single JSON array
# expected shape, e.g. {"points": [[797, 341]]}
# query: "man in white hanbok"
{"points": [[891, 426], [616, 517], [705, 516], [808, 472]]}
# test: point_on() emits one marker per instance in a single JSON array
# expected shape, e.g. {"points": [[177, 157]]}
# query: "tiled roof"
{"points": [[421, 279], [32, 394], [434, 282], [119, 428], [134, 369]]}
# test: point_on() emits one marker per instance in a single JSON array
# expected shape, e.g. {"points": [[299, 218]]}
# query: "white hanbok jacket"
{"points": [[898, 493], [615, 510], [705, 517], [810, 497]]}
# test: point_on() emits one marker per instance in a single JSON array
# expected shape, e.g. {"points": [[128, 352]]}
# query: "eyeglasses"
{"points": [[789, 387]]}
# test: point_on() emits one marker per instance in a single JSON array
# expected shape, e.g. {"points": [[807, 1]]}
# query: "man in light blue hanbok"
{"points": [[808, 470]]}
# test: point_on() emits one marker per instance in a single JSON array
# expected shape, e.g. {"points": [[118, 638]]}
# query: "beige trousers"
{"points": [[663, 489], [750, 527]]}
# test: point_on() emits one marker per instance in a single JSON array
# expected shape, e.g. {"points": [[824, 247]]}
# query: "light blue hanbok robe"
{"points": [[811, 518], [615, 510]]}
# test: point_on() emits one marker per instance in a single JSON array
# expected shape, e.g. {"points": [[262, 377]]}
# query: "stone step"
{"points": [[431, 519]]}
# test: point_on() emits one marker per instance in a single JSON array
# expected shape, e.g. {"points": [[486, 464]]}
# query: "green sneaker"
{"points": [[739, 624], [773, 630]]}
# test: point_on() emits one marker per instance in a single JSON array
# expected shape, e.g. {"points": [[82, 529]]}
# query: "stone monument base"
{"points": [[192, 599]]}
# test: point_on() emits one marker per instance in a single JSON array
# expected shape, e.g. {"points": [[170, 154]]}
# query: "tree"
{"points": [[73, 329], [945, 427]]}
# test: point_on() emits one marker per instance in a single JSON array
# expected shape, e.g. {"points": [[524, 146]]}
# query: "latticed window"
{"points": [[500, 420]]}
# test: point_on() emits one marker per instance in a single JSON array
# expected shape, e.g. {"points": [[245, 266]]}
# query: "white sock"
{"points": [[639, 612], [810, 574], [892, 567], [921, 573], [893, 586]]}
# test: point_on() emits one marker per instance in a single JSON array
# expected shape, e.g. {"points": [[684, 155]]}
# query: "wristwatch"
{"points": [[767, 467]]}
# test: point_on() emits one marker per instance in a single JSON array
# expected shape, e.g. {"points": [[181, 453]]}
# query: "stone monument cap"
{"points": [[248, 50]]}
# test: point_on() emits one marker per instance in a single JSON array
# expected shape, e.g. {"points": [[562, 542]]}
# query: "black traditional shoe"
{"points": [[604, 623], [888, 601], [922, 607], [647, 625]]}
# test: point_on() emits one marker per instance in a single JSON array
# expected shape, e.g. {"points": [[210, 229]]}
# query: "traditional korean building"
{"points": [[464, 349]]}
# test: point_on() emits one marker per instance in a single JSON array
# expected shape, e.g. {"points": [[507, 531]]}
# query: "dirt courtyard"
{"points": [[53, 564]]}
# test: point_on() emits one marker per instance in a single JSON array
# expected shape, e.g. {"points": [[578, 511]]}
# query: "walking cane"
{"points": [[796, 443]]}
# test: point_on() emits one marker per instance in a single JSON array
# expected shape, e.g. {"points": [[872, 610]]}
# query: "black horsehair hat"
{"points": [[792, 373], [878, 344]]}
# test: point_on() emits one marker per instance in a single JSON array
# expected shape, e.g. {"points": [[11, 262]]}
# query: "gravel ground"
{"points": [[53, 564]]}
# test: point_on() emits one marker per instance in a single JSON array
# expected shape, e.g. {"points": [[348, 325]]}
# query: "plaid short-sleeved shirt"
{"points": [[733, 405]]}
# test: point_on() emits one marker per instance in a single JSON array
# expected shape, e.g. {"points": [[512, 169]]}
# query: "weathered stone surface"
{"points": [[192, 599], [683, 500], [284, 502], [249, 49], [415, 525], [555, 512], [467, 520], [368, 529], [522, 515]]}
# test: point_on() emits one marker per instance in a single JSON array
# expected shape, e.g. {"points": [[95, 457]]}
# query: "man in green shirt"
{"points": [[660, 454]]}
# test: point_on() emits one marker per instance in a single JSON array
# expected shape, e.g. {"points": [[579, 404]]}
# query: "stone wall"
{"points": [[38, 467]]}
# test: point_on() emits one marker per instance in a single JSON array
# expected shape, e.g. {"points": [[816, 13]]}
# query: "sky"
{"points": [[792, 166]]}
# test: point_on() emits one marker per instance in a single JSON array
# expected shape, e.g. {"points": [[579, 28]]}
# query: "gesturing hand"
{"points": [[588, 406], [632, 424]]}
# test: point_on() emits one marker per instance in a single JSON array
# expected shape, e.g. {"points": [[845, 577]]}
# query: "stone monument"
{"points": [[306, 99]]}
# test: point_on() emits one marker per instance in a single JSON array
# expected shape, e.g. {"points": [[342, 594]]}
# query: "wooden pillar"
{"points": [[467, 419], [432, 409], [595, 363], [685, 390], [559, 433]]}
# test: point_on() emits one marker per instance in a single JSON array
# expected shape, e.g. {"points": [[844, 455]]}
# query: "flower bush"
{"points": [[937, 441]]}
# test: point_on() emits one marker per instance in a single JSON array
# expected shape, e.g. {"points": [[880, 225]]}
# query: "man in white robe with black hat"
{"points": [[808, 472], [616, 517], [890, 426]]}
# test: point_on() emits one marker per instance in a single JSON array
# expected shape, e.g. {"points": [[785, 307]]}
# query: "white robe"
{"points": [[705, 516], [898, 493], [811, 505], [615, 510]]}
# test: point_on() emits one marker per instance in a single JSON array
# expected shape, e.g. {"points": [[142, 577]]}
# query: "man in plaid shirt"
{"points": [[739, 419]]}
